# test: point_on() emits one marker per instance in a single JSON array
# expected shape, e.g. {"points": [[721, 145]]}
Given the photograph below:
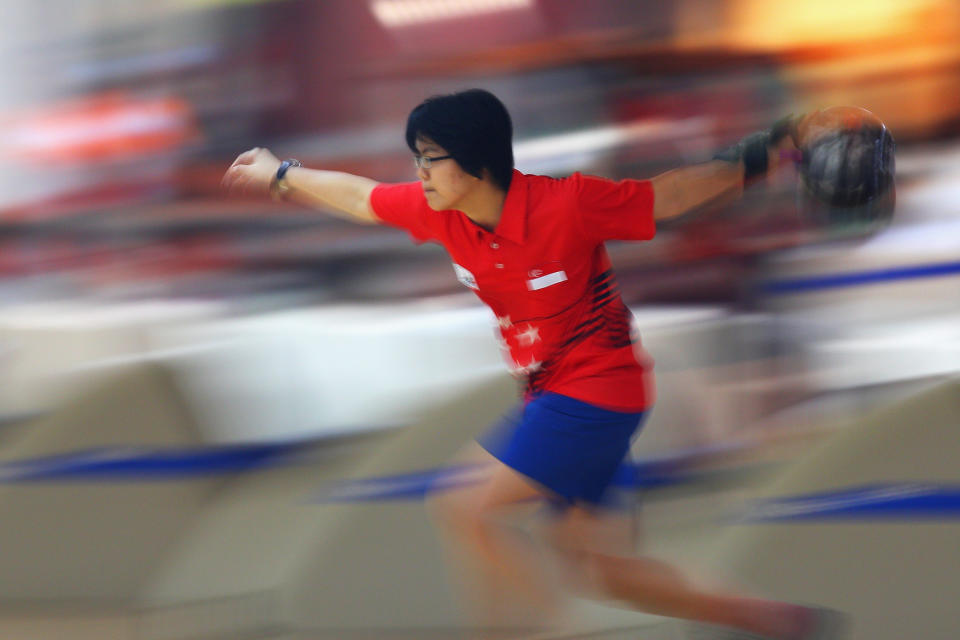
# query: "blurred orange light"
{"points": [[775, 25]]}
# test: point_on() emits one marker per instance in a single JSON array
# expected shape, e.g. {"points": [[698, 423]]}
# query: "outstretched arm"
{"points": [[696, 187], [720, 181], [254, 172]]}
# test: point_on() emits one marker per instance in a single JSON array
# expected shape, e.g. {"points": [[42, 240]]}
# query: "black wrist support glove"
{"points": [[753, 149]]}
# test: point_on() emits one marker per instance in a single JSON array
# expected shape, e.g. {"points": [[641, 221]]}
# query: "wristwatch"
{"points": [[279, 186]]}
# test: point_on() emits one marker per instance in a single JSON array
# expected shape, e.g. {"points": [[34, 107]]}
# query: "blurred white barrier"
{"points": [[334, 369], [46, 349], [883, 310], [331, 369]]}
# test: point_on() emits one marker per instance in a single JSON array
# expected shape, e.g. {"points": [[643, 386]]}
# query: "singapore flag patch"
{"points": [[545, 276]]}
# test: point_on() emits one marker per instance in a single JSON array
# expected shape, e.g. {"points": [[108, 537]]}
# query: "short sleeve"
{"points": [[615, 210], [403, 205]]}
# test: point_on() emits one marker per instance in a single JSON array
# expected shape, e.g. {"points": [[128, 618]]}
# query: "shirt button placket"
{"points": [[495, 246]]}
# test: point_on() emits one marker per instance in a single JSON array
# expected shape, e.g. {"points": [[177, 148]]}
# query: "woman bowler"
{"points": [[532, 249]]}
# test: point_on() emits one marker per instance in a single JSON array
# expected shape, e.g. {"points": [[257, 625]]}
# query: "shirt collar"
{"points": [[513, 219]]}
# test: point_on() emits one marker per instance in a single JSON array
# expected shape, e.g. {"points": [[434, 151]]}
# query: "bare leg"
{"points": [[585, 540], [498, 564], [597, 550]]}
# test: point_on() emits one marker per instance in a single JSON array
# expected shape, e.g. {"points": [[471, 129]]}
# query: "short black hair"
{"points": [[473, 126]]}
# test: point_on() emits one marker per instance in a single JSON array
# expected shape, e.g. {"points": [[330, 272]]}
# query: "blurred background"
{"points": [[119, 118], [146, 318]]}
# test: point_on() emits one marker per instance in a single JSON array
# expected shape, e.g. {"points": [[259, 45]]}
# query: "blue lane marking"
{"points": [[833, 281], [906, 501], [671, 469], [415, 485], [152, 463], [141, 463], [667, 470]]}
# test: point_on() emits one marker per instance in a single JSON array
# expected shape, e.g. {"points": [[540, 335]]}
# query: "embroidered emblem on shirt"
{"points": [[465, 277]]}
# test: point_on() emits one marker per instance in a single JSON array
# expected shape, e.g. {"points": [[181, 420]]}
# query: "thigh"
{"points": [[489, 486]]}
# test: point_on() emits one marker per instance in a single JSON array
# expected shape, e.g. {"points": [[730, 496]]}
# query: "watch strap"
{"points": [[278, 186]]}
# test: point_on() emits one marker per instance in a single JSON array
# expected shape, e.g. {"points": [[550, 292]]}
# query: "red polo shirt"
{"points": [[546, 275]]}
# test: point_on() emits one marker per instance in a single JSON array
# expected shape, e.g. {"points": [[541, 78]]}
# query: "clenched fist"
{"points": [[252, 173]]}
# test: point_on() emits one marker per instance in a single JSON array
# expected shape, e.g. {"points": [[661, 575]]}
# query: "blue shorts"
{"points": [[569, 447]]}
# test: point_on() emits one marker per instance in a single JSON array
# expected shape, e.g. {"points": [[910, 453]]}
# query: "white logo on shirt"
{"points": [[465, 277]]}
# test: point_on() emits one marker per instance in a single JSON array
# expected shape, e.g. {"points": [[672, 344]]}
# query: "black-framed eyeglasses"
{"points": [[425, 162]]}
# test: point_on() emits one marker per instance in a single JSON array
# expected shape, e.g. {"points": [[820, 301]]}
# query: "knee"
{"points": [[601, 572], [460, 512]]}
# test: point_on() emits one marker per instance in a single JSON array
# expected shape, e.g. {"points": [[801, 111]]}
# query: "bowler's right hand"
{"points": [[252, 173]]}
